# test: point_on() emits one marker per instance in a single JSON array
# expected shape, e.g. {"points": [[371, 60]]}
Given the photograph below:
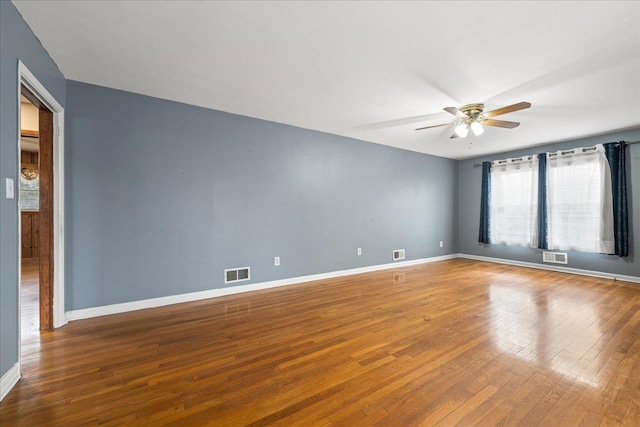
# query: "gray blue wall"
{"points": [[163, 196], [16, 42], [469, 178]]}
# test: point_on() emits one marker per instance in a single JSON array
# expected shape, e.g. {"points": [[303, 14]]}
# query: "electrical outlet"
{"points": [[359, 251], [441, 243], [276, 260]]}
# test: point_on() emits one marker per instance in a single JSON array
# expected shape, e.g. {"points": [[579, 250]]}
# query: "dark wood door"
{"points": [[30, 235]]}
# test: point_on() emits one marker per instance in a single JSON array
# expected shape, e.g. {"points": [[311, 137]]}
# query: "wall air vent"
{"points": [[556, 257], [232, 275], [398, 254]]}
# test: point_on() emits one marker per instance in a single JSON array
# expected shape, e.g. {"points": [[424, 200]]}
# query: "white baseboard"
{"points": [[9, 379], [633, 279], [213, 293]]}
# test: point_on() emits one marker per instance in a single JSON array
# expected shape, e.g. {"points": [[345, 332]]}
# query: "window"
{"points": [[29, 193], [579, 201], [514, 202]]}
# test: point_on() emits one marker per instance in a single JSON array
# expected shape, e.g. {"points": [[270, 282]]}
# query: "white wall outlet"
{"points": [[276, 260], [359, 251], [10, 190], [441, 243]]}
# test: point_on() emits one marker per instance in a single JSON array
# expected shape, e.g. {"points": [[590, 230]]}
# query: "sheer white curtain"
{"points": [[514, 202], [579, 203]]}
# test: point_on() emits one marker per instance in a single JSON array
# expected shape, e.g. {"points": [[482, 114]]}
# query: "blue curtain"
{"points": [[543, 235], [484, 235], [615, 152]]}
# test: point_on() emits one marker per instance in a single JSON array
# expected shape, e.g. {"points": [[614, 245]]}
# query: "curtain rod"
{"points": [[477, 165]]}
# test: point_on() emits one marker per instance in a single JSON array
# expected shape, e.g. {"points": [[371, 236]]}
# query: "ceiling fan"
{"points": [[472, 116]]}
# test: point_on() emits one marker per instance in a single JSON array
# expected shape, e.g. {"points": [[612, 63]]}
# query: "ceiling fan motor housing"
{"points": [[473, 112]]}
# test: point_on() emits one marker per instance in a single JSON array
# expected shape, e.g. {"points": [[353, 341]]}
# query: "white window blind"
{"points": [[514, 202], [579, 202]]}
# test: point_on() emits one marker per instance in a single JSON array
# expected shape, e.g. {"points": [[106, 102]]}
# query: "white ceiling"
{"points": [[368, 70]]}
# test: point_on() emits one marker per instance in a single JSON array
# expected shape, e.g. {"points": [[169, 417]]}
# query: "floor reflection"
{"points": [[29, 299], [532, 325]]}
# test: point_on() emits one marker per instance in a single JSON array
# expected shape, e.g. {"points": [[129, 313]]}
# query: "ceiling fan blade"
{"points": [[435, 126], [500, 123], [454, 111], [507, 109]]}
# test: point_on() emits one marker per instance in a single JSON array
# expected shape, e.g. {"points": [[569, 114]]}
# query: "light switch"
{"points": [[10, 193]]}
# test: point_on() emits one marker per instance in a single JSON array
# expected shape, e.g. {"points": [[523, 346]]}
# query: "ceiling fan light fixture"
{"points": [[462, 130], [476, 128]]}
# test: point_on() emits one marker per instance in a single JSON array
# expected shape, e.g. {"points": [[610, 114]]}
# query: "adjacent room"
{"points": [[29, 218], [319, 213]]}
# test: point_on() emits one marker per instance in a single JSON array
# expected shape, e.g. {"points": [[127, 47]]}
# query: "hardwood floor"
{"points": [[29, 299], [456, 342]]}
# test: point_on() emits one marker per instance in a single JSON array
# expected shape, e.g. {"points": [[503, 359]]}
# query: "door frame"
{"points": [[28, 80]]}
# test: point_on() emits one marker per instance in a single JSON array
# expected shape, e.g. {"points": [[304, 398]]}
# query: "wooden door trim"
{"points": [[46, 219]]}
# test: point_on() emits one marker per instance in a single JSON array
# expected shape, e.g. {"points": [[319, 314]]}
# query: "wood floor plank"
{"points": [[455, 342]]}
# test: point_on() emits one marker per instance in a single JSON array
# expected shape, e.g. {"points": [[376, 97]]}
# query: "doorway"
{"points": [[36, 209], [29, 199], [41, 237]]}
